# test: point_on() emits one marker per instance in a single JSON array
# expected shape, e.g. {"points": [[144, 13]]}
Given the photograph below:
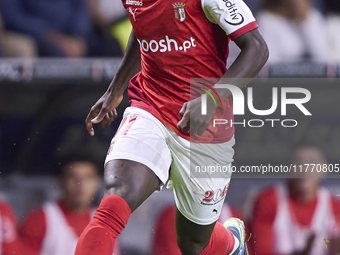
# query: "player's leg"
{"points": [[194, 239], [197, 213], [138, 162], [127, 184], [130, 180], [212, 239], [200, 196]]}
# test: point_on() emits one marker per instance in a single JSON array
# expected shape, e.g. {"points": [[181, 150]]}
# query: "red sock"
{"points": [[221, 242], [100, 235]]}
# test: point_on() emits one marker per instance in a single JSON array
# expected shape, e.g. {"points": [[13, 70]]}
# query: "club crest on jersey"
{"points": [[179, 11]]}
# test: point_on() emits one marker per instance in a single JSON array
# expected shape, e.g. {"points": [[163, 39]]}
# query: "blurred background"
{"points": [[58, 57]]}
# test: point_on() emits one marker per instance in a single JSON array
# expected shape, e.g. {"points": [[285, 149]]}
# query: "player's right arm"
{"points": [[103, 112]]}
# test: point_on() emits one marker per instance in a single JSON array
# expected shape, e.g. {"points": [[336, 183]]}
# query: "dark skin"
{"points": [[134, 182]]}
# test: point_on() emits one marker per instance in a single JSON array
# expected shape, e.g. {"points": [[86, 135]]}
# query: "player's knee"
{"points": [[130, 180], [189, 246], [121, 185], [117, 187]]}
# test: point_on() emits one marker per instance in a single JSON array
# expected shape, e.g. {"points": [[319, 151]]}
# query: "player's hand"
{"points": [[192, 119], [103, 112]]}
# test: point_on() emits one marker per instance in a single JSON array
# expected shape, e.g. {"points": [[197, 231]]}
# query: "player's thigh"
{"points": [[132, 181], [138, 160], [192, 238]]}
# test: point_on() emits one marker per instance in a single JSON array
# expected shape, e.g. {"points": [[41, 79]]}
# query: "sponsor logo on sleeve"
{"points": [[235, 17]]}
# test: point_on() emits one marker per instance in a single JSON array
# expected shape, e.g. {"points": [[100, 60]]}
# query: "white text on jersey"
{"points": [[134, 2], [166, 44]]}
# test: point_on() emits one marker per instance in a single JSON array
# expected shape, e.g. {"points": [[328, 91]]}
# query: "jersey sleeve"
{"points": [[233, 16]]}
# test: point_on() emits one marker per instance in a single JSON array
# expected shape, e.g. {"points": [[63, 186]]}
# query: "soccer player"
{"points": [[54, 228], [172, 42], [295, 219]]}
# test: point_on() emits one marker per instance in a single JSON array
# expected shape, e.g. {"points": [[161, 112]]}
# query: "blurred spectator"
{"points": [[60, 27], [106, 12], [165, 239], [297, 218], [106, 15], [333, 16], [55, 228], [16, 45], [9, 238], [294, 31]]}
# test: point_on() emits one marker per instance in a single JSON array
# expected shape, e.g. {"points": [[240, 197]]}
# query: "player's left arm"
{"points": [[238, 22], [254, 54]]}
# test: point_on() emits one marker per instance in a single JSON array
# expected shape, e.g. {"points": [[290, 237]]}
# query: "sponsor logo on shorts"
{"points": [[166, 44], [212, 197], [235, 18], [133, 2]]}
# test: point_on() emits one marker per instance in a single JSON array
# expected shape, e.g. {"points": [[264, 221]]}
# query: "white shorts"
{"points": [[142, 138]]}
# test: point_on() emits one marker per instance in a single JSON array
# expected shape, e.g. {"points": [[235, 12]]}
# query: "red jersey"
{"points": [[180, 40]]}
